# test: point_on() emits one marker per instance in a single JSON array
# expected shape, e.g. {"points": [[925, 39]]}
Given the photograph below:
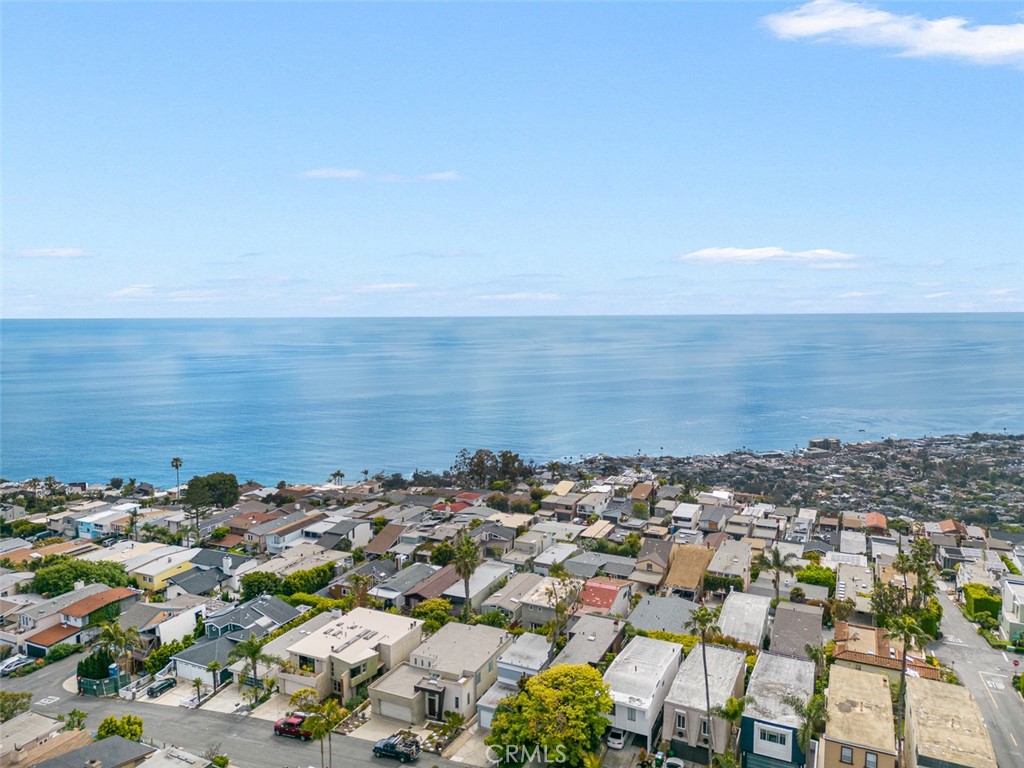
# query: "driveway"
{"points": [[987, 674]]}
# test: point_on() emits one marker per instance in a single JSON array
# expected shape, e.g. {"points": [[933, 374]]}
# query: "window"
{"points": [[773, 737], [631, 714], [337, 686], [846, 755], [478, 678], [703, 727], [870, 760], [456, 703], [490, 665], [680, 721]]}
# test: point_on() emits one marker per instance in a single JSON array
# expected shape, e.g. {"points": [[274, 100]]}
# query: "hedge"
{"points": [[980, 600], [818, 575]]}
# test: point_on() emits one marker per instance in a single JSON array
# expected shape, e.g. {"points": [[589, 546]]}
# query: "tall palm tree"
{"points": [[819, 656], [905, 627], [251, 651], [360, 584], [118, 641], [133, 523], [813, 715], [332, 714], [904, 564], [703, 621], [337, 476], [466, 560], [773, 560], [214, 667], [176, 463], [731, 712]]}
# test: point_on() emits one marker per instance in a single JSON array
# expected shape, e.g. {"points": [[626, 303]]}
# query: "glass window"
{"points": [[680, 721], [630, 714], [456, 703], [846, 755], [870, 760], [703, 727]]}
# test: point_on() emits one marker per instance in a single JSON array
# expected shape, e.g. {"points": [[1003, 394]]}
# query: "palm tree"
{"points": [[813, 715], [337, 476], [318, 729], [466, 560], [703, 621], [819, 656], [905, 627], [332, 714], [214, 667], [118, 641], [133, 522], [176, 463], [197, 683], [251, 651], [841, 609], [903, 564], [731, 712], [778, 564], [360, 584]]}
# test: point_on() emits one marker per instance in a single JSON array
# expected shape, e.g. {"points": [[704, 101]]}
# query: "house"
{"points": [[713, 517], [638, 680], [432, 586], [276, 536], [589, 564], [89, 612], [447, 673], [1012, 616], [685, 576], [35, 617], [152, 576], [344, 534], [787, 583], [685, 710], [591, 638], [685, 516], [730, 561], [859, 729], [378, 571], [944, 727], [10, 580], [610, 597], [564, 507], [483, 582], [161, 623], [196, 581], [796, 626], [539, 603], [392, 591], [869, 648], [257, 617], [526, 548], [527, 656], [744, 617], [232, 565], [769, 725], [652, 564], [508, 600], [665, 614], [348, 651], [111, 752], [23, 738], [855, 582], [739, 526], [302, 557], [556, 554]]}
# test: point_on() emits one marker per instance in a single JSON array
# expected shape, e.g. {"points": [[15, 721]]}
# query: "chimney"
{"points": [[79, 585], [226, 563]]}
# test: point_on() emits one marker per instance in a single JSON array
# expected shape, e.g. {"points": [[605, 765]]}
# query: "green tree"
{"points": [[360, 584], [337, 476], [118, 641], [378, 524], [773, 560], [813, 715], [331, 714], [259, 583], [251, 652], [128, 727], [732, 713], [704, 621], [73, 720], [442, 553], [214, 668], [493, 619], [562, 594], [466, 560], [176, 464], [13, 704], [434, 613], [60, 578], [562, 708], [903, 564], [905, 627], [819, 575]]}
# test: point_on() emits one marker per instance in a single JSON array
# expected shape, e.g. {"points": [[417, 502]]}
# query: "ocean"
{"points": [[295, 400]]}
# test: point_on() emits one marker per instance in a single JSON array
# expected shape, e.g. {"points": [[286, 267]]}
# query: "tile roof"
{"points": [[600, 592], [53, 635], [384, 540], [87, 605]]}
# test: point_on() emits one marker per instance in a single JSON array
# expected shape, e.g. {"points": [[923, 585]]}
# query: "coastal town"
{"points": [[829, 605]]}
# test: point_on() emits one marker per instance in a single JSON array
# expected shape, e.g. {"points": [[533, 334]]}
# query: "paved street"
{"points": [[987, 674], [249, 742]]}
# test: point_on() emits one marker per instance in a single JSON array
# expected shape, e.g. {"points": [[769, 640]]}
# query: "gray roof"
{"points": [[795, 627], [203, 652], [774, 678], [212, 558], [276, 610], [409, 577], [581, 649], [588, 564], [142, 615], [725, 666], [196, 581], [662, 613], [745, 617], [111, 752], [529, 651], [59, 603], [635, 672]]}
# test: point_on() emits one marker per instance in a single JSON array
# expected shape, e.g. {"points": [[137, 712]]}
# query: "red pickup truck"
{"points": [[292, 726]]}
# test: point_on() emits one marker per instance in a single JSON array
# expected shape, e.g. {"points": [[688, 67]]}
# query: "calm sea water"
{"points": [[297, 399]]}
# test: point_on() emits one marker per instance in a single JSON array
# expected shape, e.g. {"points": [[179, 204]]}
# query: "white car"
{"points": [[674, 762], [616, 738], [13, 663]]}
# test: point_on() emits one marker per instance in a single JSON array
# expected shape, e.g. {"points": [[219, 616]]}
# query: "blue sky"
{"points": [[335, 159]]}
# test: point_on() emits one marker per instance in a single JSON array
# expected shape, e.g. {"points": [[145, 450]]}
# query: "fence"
{"points": [[108, 686]]}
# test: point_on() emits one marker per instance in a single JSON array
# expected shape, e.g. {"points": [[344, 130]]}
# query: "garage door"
{"points": [[395, 711]]}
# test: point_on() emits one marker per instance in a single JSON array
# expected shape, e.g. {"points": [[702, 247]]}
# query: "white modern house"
{"points": [[639, 680]]}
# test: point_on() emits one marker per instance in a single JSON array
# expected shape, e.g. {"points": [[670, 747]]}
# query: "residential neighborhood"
{"points": [[723, 627]]}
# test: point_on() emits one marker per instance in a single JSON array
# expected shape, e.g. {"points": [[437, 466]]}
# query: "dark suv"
{"points": [[160, 686]]}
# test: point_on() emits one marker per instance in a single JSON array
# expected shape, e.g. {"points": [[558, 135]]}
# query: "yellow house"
{"points": [[859, 730], [152, 576]]}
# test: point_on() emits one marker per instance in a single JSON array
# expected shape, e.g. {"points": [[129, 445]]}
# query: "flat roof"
{"points": [[774, 678], [529, 651], [860, 709], [796, 626], [355, 635], [636, 671], [745, 617], [947, 724], [459, 648], [488, 572], [725, 666]]}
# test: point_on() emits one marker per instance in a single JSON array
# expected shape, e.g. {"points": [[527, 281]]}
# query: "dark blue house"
{"points": [[769, 725]]}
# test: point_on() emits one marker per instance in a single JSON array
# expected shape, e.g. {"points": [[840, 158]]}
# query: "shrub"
{"points": [[818, 575], [62, 651], [980, 600]]}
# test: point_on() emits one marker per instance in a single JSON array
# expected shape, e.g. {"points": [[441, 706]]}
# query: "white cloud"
{"points": [[519, 297], [385, 287], [910, 34], [938, 295], [441, 176], [858, 294], [729, 255], [132, 292], [333, 173], [53, 253], [1001, 291]]}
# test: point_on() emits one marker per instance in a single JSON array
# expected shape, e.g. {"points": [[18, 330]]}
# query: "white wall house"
{"points": [[639, 680]]}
